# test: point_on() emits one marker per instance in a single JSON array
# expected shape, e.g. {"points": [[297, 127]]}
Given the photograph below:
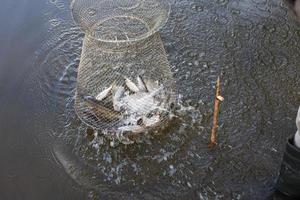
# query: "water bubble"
{"points": [[172, 170], [107, 157], [58, 4], [202, 54], [95, 145], [197, 8], [54, 22], [112, 143], [196, 63], [235, 11]]}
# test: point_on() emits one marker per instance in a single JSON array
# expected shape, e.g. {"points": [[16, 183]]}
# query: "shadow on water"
{"points": [[252, 43]]}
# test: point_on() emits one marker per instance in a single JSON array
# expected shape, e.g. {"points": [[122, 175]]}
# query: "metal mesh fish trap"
{"points": [[125, 84]]}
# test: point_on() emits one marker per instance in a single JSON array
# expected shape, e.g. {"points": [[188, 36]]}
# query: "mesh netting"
{"points": [[125, 84]]}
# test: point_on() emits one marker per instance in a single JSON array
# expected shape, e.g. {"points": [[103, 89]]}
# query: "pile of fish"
{"points": [[137, 107]]}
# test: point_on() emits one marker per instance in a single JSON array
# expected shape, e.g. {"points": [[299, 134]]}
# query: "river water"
{"points": [[253, 44]]}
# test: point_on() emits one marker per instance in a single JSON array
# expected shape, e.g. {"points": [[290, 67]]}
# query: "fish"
{"points": [[151, 85], [118, 93], [131, 128], [100, 111], [139, 103], [141, 85], [131, 85], [102, 95]]}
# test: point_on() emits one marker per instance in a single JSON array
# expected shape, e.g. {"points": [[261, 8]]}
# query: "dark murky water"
{"points": [[44, 154]]}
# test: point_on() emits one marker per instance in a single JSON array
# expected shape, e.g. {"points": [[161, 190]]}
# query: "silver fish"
{"points": [[102, 95], [131, 85], [131, 128], [151, 85], [118, 93], [139, 103], [141, 85]]}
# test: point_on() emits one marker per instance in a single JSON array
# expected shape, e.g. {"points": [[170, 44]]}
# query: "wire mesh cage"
{"points": [[124, 83]]}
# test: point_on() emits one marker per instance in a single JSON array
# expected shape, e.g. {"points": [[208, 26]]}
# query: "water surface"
{"points": [[44, 154]]}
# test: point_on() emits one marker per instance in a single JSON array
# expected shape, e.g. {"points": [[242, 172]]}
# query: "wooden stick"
{"points": [[218, 99]]}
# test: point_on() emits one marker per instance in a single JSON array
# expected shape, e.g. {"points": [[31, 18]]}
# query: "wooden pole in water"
{"points": [[218, 99]]}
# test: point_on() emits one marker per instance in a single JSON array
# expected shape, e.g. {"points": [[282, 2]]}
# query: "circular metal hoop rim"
{"points": [[137, 39]]}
